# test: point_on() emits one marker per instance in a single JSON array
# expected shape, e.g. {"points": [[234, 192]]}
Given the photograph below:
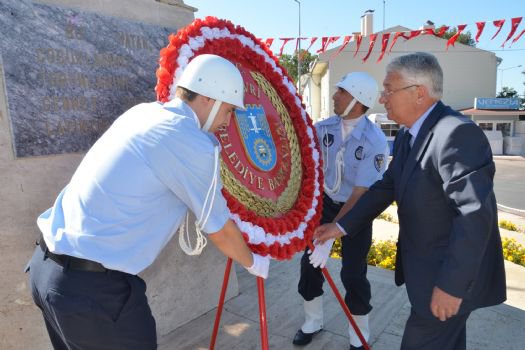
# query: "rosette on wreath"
{"points": [[271, 166]]}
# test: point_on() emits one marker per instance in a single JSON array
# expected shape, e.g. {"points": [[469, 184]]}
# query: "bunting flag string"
{"points": [[285, 41], [328, 41], [517, 37], [346, 40], [498, 24], [312, 41], [455, 37], [373, 38], [481, 26], [384, 44], [358, 38], [397, 35], [515, 22]]}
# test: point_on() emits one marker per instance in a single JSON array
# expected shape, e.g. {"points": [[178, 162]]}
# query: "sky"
{"points": [[280, 19]]}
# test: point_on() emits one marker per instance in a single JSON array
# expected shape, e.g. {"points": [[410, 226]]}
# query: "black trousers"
{"points": [[353, 271], [91, 310], [433, 334]]}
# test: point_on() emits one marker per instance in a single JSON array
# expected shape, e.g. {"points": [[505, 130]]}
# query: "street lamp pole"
{"points": [[501, 75], [383, 15], [299, 51]]}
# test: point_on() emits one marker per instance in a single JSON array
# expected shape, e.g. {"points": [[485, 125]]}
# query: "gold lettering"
{"points": [[232, 157], [260, 184], [252, 178], [270, 184]]}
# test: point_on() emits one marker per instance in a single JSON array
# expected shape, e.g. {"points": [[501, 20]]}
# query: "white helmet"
{"points": [[214, 77], [362, 86]]}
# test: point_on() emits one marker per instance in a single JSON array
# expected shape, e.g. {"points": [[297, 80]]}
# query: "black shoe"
{"points": [[357, 347], [302, 338]]}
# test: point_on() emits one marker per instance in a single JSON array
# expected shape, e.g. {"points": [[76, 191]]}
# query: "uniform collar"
{"points": [[177, 103], [359, 127]]}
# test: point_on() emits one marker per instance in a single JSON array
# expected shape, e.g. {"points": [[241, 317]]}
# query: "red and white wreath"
{"points": [[283, 236]]}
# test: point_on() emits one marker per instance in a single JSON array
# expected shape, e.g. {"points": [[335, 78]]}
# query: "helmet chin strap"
{"points": [[212, 115], [349, 108]]}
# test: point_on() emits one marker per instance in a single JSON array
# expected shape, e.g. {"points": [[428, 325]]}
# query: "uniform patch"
{"points": [[379, 160], [328, 140], [359, 153]]}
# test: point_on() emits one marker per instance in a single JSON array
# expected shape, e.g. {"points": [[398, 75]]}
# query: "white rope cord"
{"points": [[339, 168], [184, 234]]}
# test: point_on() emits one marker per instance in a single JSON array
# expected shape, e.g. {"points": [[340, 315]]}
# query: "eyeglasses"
{"points": [[388, 93]]}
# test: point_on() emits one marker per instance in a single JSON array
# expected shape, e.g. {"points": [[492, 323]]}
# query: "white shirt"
{"points": [[364, 155], [133, 188]]}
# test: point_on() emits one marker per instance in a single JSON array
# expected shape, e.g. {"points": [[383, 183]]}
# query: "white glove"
{"points": [[319, 256], [260, 266]]}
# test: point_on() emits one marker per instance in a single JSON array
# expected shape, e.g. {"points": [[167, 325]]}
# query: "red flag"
{"points": [[517, 37], [427, 31], [515, 22], [384, 44], [312, 41], [413, 34], [499, 25], [324, 40], [285, 40], [345, 42], [297, 43], [397, 35], [358, 39], [455, 37], [327, 41], [442, 30], [268, 42], [373, 38], [480, 26]]}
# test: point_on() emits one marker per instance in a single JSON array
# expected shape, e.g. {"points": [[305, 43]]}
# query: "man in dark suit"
{"points": [[449, 248]]}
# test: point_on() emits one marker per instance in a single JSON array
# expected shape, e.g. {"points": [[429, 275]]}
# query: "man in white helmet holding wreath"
{"points": [[125, 202], [354, 152]]}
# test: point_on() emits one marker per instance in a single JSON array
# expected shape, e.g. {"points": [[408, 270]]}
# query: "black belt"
{"points": [[71, 262]]}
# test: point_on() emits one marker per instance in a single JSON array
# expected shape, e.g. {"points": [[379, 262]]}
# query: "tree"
{"points": [[508, 92], [464, 38], [289, 62]]}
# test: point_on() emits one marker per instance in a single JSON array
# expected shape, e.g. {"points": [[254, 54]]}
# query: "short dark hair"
{"points": [[185, 94]]}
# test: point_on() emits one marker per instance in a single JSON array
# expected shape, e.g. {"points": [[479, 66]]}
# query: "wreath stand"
{"points": [[262, 307]]}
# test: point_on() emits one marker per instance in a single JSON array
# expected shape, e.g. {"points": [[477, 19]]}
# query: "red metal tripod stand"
{"points": [[262, 308]]}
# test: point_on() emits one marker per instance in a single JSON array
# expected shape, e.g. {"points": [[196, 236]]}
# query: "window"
{"points": [[486, 126], [504, 128], [390, 129]]}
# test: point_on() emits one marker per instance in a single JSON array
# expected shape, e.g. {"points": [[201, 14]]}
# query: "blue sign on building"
{"points": [[496, 103]]}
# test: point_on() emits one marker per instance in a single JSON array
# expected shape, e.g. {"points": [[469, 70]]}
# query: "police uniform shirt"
{"points": [[134, 187], [365, 154]]}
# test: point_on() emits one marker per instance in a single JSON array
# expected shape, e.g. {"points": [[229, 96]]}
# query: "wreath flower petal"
{"points": [[280, 237]]}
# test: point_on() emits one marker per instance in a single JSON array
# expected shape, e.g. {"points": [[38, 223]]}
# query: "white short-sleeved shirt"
{"points": [[133, 188], [365, 154]]}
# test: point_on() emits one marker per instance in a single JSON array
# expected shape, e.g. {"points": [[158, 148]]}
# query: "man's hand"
{"points": [[260, 267], [326, 232], [319, 256], [444, 305]]}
